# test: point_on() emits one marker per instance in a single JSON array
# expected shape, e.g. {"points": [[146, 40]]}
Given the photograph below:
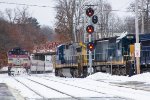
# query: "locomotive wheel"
{"points": [[115, 71], [123, 71]]}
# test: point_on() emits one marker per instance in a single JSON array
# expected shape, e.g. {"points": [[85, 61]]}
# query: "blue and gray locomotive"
{"points": [[18, 61], [113, 55]]}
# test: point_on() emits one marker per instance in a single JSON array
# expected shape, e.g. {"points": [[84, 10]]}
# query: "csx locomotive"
{"points": [[113, 55], [18, 61]]}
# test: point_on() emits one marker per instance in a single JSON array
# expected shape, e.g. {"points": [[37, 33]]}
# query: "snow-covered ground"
{"points": [[144, 77], [99, 86]]}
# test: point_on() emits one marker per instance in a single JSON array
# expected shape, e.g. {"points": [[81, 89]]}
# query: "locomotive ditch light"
{"points": [[91, 46], [89, 12], [90, 29]]}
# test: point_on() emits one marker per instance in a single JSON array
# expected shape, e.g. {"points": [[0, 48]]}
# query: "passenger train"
{"points": [[21, 62], [18, 61], [113, 55], [41, 62]]}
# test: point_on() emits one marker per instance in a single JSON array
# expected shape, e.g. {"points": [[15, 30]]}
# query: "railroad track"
{"points": [[135, 87], [78, 98], [99, 87], [54, 89], [110, 87], [73, 85], [122, 84], [143, 88], [42, 97], [117, 97]]}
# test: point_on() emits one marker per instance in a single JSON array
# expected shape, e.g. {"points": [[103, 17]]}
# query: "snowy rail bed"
{"points": [[98, 86]]}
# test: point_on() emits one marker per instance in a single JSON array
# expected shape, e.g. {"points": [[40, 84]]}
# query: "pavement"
{"points": [[5, 93]]}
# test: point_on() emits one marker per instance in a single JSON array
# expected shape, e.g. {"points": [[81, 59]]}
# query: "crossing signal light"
{"points": [[89, 12], [94, 19], [90, 29], [91, 46]]}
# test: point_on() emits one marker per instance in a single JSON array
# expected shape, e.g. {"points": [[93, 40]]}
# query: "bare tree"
{"points": [[104, 13], [144, 14], [65, 12], [1, 16], [108, 22], [49, 32], [11, 15], [18, 29], [71, 15]]}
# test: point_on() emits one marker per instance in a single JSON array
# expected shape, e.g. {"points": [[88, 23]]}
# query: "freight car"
{"points": [[18, 61], [113, 55]]}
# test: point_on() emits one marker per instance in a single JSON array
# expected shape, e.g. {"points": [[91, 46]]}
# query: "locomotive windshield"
{"points": [[17, 51]]}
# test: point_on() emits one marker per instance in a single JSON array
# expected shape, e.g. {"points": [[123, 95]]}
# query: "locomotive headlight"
{"points": [[25, 59], [10, 59]]}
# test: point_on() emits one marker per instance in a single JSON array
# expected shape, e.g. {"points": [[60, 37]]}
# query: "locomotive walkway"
{"points": [[5, 93]]}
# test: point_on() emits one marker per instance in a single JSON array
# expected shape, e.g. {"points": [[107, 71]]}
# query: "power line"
{"points": [[117, 10], [126, 4], [22, 4]]}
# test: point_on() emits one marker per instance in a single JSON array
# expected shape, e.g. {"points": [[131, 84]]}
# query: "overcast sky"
{"points": [[46, 15]]}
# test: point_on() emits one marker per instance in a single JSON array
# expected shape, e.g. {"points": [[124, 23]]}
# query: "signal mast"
{"points": [[93, 19]]}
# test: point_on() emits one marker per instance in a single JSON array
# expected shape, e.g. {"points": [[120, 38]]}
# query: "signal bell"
{"points": [[89, 12], [91, 46], [90, 29]]}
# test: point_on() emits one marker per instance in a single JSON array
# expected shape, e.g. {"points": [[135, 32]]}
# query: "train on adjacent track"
{"points": [[18, 61], [41, 62], [113, 55]]}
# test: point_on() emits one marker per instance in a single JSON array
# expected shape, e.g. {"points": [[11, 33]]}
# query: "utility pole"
{"points": [[147, 16], [137, 36], [74, 25], [142, 27]]}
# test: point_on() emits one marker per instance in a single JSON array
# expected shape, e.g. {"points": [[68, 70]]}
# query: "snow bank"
{"points": [[144, 77], [4, 68]]}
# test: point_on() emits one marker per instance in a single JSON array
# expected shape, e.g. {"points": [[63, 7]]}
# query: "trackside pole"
{"points": [[137, 36], [90, 70]]}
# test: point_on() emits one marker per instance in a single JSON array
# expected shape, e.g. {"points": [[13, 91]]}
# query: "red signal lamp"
{"points": [[90, 29], [89, 12], [91, 46]]}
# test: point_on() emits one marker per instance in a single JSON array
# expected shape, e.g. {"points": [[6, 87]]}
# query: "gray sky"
{"points": [[46, 15], [121, 5]]}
